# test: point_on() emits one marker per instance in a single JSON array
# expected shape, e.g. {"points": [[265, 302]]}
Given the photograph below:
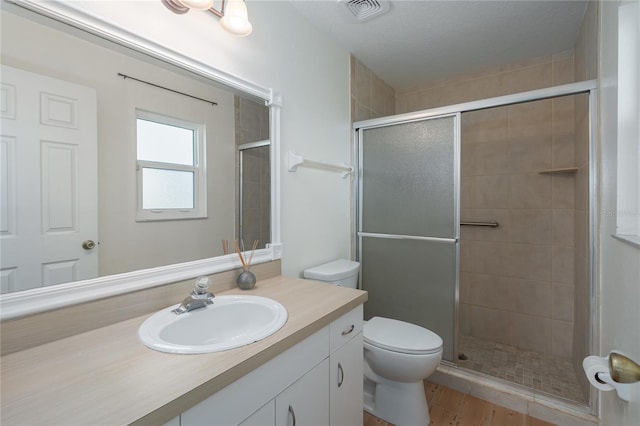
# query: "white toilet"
{"points": [[398, 356]]}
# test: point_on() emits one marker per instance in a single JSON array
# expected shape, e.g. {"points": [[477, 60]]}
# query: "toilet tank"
{"points": [[341, 272]]}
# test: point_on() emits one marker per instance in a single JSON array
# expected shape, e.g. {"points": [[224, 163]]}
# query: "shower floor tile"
{"points": [[542, 372]]}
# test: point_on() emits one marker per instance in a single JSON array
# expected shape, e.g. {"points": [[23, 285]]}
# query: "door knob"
{"points": [[88, 244], [623, 369]]}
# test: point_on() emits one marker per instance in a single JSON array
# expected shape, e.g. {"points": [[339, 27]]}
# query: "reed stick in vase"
{"points": [[253, 250], [244, 264]]}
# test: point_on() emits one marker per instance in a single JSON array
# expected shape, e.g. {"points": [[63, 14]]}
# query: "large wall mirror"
{"points": [[115, 213]]}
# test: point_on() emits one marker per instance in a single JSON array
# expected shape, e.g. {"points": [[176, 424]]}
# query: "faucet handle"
{"points": [[202, 285]]}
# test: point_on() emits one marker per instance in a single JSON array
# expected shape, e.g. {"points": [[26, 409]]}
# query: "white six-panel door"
{"points": [[49, 200]]}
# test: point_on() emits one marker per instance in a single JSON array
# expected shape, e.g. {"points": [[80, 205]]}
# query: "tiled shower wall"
{"points": [[252, 125], [536, 73], [516, 280], [370, 96]]}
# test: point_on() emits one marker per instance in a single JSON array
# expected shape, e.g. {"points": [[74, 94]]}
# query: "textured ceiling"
{"points": [[422, 40]]}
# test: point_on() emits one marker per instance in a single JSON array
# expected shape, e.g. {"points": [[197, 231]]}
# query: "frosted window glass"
{"points": [[167, 189], [165, 143], [408, 179]]}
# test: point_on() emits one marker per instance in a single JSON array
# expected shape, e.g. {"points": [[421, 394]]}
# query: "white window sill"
{"points": [[633, 240]]}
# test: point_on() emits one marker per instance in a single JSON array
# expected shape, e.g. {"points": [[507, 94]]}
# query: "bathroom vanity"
{"points": [[317, 381], [311, 369]]}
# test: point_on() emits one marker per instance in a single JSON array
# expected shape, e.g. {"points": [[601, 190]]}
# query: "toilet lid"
{"points": [[400, 336]]}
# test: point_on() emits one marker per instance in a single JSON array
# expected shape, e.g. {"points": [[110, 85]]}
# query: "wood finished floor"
{"points": [[452, 408]]}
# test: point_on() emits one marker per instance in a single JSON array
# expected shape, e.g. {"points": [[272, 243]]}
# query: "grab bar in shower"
{"points": [[492, 224]]}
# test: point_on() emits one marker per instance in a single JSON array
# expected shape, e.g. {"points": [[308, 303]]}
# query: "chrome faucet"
{"points": [[199, 297]]}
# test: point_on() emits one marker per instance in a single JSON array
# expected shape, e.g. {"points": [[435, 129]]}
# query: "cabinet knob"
{"points": [[340, 375]]}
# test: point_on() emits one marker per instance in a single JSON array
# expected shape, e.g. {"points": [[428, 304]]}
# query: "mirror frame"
{"points": [[28, 302]]}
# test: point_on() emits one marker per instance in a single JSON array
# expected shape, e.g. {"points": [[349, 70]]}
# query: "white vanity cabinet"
{"points": [[318, 381]]}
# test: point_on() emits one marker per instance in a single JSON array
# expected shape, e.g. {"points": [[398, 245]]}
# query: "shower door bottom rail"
{"points": [[408, 237]]}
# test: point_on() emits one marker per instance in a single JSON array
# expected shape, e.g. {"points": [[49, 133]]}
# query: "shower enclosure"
{"points": [[253, 171], [474, 221], [254, 193]]}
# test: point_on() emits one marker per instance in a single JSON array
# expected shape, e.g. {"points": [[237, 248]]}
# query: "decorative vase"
{"points": [[246, 280]]}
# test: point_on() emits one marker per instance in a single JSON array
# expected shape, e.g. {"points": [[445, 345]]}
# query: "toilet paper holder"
{"points": [[623, 369], [615, 371]]}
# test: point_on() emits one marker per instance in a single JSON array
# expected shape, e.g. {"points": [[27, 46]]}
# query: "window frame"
{"points": [[199, 210]]}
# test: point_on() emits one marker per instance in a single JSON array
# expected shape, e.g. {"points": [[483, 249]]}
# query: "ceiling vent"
{"points": [[363, 10]]}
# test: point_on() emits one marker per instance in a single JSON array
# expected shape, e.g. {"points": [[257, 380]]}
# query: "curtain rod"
{"points": [[166, 88]]}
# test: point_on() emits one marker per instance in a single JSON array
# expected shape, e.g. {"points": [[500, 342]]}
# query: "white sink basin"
{"points": [[232, 321]]}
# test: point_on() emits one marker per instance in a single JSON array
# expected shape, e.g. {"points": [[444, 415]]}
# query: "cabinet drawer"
{"points": [[346, 327]]}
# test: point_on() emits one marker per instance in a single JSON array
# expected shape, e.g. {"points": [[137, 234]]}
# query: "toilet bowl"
{"points": [[398, 356]]}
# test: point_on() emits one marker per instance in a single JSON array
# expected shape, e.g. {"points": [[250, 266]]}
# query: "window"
{"points": [[170, 168]]}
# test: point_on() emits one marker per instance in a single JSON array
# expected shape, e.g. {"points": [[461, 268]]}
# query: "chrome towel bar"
{"points": [[492, 224]]}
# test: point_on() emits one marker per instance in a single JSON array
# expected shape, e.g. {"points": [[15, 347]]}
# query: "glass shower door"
{"points": [[408, 223]]}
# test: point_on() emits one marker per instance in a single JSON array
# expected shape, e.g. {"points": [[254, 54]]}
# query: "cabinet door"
{"points": [[265, 416], [306, 402], [345, 382]]}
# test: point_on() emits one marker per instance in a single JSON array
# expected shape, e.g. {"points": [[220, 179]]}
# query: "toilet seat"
{"points": [[400, 336]]}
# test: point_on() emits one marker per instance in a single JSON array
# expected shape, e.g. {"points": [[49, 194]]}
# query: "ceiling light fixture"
{"points": [[232, 13]]}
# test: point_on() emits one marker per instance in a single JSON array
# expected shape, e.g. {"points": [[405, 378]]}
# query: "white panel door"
{"points": [[49, 181]]}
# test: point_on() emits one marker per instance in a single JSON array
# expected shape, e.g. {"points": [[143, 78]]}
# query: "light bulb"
{"points": [[197, 4], [235, 19]]}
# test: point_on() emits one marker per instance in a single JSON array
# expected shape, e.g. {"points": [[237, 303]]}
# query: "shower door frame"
{"points": [[588, 87]]}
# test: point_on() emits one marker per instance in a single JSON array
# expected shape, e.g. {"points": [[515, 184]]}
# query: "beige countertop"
{"points": [[107, 376]]}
